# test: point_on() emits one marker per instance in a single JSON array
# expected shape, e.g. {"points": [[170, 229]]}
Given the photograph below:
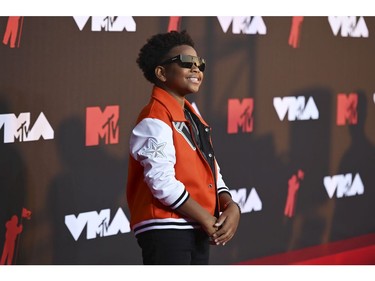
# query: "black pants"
{"points": [[174, 247]]}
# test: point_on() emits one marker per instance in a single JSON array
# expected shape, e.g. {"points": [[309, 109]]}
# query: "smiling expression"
{"points": [[179, 81]]}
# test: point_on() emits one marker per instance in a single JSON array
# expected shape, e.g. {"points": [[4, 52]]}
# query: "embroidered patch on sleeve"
{"points": [[153, 149]]}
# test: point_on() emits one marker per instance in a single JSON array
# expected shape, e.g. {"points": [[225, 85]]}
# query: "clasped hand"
{"points": [[225, 226]]}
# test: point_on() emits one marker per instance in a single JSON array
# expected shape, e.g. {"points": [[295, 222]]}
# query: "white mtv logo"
{"points": [[246, 25], [107, 23], [349, 26], [247, 203], [97, 224], [344, 185], [296, 107], [18, 127]]}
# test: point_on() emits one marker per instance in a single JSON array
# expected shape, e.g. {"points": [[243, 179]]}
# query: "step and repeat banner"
{"points": [[290, 99]]}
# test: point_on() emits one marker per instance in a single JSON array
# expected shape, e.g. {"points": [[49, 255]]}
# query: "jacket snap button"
{"points": [[210, 185]]}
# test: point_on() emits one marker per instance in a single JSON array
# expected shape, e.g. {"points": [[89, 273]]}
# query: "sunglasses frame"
{"points": [[187, 61]]}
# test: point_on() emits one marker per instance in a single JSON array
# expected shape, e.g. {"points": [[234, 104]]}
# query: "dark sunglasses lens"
{"points": [[202, 66], [186, 64], [188, 61]]}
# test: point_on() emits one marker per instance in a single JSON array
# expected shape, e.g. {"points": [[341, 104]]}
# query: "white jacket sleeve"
{"points": [[221, 186], [151, 144]]}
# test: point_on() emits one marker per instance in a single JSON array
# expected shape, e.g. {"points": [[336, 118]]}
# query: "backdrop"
{"points": [[292, 106]]}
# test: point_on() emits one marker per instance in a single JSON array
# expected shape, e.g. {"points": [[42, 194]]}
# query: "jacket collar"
{"points": [[172, 105]]}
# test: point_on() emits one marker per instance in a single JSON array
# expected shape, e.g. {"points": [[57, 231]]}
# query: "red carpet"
{"points": [[355, 251]]}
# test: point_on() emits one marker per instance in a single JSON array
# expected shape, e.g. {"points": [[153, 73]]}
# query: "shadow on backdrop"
{"points": [[90, 180], [310, 152], [353, 215], [12, 197]]}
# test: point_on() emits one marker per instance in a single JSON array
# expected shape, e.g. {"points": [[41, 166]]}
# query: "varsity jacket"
{"points": [[166, 166]]}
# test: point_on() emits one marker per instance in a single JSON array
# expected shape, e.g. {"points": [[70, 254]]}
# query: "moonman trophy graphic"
{"points": [[295, 32], [13, 32], [174, 24], [293, 187], [12, 235]]}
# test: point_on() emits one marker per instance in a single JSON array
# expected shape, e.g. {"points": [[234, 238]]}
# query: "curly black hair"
{"points": [[157, 47]]}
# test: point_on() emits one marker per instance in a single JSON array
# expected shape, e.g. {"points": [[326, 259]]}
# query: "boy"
{"points": [[178, 201]]}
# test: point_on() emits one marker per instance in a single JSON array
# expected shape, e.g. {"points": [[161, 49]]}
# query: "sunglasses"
{"points": [[187, 61]]}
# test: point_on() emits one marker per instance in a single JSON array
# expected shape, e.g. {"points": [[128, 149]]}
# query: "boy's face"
{"points": [[181, 81]]}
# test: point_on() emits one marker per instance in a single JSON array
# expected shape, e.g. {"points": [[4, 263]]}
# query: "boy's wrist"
{"points": [[231, 202]]}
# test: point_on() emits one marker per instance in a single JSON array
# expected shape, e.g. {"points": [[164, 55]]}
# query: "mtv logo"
{"points": [[102, 125], [240, 114], [347, 109]]}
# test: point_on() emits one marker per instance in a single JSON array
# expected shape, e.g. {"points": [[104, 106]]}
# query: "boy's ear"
{"points": [[160, 73]]}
